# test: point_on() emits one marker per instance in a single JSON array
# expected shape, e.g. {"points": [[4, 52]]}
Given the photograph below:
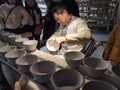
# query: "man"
{"points": [[13, 18], [73, 33]]}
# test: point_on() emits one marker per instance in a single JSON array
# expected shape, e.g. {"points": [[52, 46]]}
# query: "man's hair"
{"points": [[59, 8]]}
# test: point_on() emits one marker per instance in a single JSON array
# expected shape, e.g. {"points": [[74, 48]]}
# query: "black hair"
{"points": [[59, 8], [27, 7]]}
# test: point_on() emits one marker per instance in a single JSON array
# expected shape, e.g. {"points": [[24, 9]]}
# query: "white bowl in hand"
{"points": [[52, 46]]}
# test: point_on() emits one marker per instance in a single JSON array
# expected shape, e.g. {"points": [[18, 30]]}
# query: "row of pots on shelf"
{"points": [[64, 79]]}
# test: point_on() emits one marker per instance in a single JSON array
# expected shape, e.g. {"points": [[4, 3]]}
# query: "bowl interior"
{"points": [[52, 45], [67, 78], [43, 67], [26, 60], [21, 39], [74, 55], [7, 48], [14, 37], [15, 53], [95, 63], [30, 42]]}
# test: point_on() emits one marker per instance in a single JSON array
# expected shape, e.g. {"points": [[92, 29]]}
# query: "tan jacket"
{"points": [[17, 19], [78, 34], [112, 49]]}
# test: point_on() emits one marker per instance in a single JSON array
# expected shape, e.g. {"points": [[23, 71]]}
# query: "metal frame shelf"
{"points": [[98, 13]]}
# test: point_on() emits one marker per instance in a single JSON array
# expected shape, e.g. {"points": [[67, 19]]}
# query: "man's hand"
{"points": [[59, 40]]}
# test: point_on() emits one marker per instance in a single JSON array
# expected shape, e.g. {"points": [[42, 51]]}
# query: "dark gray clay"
{"points": [[11, 56], [24, 62], [74, 59], [95, 67], [67, 79], [43, 70]]}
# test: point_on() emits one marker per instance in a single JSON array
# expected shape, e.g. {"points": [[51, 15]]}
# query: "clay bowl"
{"points": [[52, 47], [95, 67], [1, 35], [2, 44], [98, 85], [5, 36], [19, 41], [11, 56], [43, 70], [12, 38], [67, 79], [30, 45], [74, 59], [24, 62], [6, 49]]}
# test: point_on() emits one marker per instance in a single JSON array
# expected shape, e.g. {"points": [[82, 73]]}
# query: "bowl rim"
{"points": [[27, 55], [83, 55], [10, 46], [13, 51], [31, 70], [25, 42], [81, 76], [105, 68]]}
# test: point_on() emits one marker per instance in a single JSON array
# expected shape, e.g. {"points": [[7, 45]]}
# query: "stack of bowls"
{"points": [[24, 62], [43, 70]]}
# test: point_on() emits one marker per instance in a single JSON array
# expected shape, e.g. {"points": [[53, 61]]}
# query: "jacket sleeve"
{"points": [[109, 45], [81, 31]]}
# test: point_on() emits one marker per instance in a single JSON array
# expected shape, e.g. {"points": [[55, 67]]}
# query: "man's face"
{"points": [[61, 18]]}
